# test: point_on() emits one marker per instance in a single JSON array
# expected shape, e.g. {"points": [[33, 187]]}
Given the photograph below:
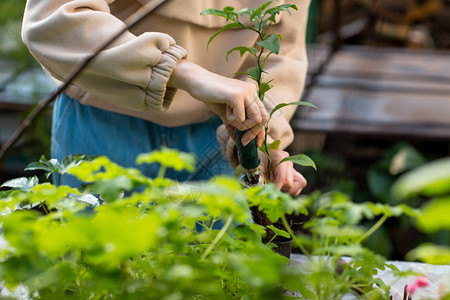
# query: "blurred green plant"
{"points": [[11, 46], [158, 240], [399, 159], [11, 10], [398, 235], [431, 181], [332, 173]]}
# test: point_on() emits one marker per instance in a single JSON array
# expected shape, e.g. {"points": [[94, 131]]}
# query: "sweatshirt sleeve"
{"points": [[132, 72], [288, 71]]}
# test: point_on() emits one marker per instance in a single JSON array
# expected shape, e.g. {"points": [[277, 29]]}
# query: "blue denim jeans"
{"points": [[81, 129]]}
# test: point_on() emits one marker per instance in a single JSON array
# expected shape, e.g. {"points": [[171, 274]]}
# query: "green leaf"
{"points": [[101, 168], [50, 193], [48, 166], [272, 42], [275, 145], [279, 232], [259, 229], [431, 179], [86, 198], [259, 10], [111, 189], [239, 171], [51, 276], [273, 202], [264, 149], [74, 160], [228, 9], [344, 232], [54, 166], [387, 210], [244, 11], [261, 25], [279, 36], [22, 184], [431, 254], [345, 212], [300, 159], [264, 87], [435, 215], [278, 9], [242, 50], [214, 12], [169, 158], [41, 166], [228, 26], [254, 73], [228, 13], [281, 105]]}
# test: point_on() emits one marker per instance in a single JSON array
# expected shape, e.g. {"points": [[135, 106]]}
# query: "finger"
{"points": [[260, 138], [299, 183], [231, 153], [289, 185], [264, 114], [289, 174], [249, 123], [238, 110], [222, 138], [279, 176], [264, 162], [253, 113], [227, 146], [251, 134], [231, 117], [221, 133], [231, 132]]}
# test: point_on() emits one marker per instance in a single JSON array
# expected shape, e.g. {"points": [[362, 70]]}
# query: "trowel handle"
{"points": [[248, 155]]}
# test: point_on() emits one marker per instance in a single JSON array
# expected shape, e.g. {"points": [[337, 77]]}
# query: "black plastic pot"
{"points": [[284, 248], [283, 245]]}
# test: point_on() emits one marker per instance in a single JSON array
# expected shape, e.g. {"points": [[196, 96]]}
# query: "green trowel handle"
{"points": [[248, 155]]}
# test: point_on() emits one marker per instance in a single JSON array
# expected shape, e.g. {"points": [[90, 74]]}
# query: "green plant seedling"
{"points": [[261, 20]]}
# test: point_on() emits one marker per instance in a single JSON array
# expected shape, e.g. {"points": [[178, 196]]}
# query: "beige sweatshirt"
{"points": [[130, 76]]}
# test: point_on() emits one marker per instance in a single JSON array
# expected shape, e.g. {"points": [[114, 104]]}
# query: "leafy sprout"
{"points": [[261, 19]]}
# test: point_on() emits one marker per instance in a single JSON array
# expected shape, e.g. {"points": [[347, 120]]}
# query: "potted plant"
{"points": [[261, 20]]}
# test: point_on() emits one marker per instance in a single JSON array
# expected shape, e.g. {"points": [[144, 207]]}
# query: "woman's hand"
{"points": [[285, 177], [235, 101], [228, 146]]}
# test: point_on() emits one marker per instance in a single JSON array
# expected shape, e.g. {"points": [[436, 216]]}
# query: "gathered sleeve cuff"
{"points": [[131, 73], [158, 96]]}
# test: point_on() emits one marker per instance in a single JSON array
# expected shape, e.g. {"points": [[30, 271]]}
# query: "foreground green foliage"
{"points": [[431, 181], [398, 235], [160, 240]]}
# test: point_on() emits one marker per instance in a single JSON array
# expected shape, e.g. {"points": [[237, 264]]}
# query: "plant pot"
{"points": [[283, 245], [284, 248]]}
